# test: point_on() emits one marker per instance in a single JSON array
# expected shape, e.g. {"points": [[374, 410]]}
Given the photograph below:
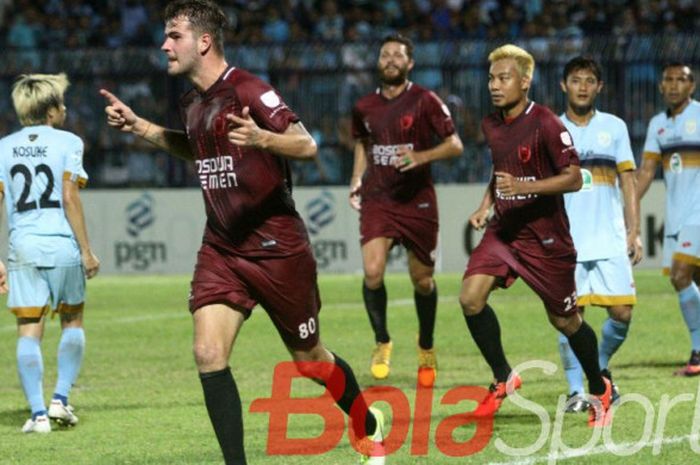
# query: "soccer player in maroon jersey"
{"points": [[535, 162], [395, 129], [240, 133]]}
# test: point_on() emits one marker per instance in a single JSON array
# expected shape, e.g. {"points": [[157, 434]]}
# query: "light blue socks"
{"points": [[689, 299], [572, 367], [614, 334], [70, 357], [30, 366]]}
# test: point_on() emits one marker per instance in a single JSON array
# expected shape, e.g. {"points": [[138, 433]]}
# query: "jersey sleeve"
{"points": [[438, 115], [652, 150], [267, 107], [73, 165], [558, 142], [359, 130], [623, 149]]}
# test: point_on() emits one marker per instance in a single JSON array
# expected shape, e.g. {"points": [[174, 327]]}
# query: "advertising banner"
{"points": [[159, 231]]}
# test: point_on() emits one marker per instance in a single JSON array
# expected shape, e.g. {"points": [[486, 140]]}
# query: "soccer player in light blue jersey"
{"points": [[673, 138], [604, 219], [41, 170]]}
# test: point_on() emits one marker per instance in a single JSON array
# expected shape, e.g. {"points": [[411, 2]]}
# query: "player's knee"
{"points": [[423, 285], [209, 357], [471, 305], [623, 313], [72, 320], [374, 275], [680, 280], [567, 325]]}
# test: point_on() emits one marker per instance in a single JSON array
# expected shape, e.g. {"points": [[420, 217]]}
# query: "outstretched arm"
{"points": [[122, 117]]}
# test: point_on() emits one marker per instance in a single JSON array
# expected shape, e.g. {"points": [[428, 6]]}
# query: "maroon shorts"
{"points": [[284, 286], [552, 278], [413, 224]]}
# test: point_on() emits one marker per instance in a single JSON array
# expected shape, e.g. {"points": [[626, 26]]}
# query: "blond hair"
{"points": [[524, 61], [33, 95]]}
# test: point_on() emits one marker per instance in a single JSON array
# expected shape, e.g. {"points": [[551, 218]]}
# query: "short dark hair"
{"points": [[583, 63], [204, 15], [678, 64], [402, 40]]}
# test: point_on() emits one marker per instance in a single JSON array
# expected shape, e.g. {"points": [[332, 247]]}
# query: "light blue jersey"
{"points": [[675, 141], [34, 161], [596, 211]]}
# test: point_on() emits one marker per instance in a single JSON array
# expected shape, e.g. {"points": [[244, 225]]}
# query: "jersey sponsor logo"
{"points": [[604, 139], [675, 163], [216, 173], [566, 138], [587, 177], [500, 196], [691, 126], [33, 137], [270, 99], [406, 122], [384, 155], [524, 153]]}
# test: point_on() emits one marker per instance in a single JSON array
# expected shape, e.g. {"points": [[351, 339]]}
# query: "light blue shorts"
{"points": [[32, 291], [605, 283], [683, 247]]}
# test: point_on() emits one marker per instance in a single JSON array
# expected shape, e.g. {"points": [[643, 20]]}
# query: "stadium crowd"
{"points": [[59, 24], [316, 52]]}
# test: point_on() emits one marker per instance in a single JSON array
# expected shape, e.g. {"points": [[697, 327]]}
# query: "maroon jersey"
{"points": [[247, 191], [535, 145], [413, 120]]}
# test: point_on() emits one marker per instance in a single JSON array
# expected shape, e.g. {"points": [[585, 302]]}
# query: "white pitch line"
{"points": [[604, 449], [184, 313]]}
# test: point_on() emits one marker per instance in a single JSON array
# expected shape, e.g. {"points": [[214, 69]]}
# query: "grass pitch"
{"points": [[139, 399]]}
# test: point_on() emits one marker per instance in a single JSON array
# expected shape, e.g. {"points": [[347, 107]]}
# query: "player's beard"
{"points": [[396, 80]]}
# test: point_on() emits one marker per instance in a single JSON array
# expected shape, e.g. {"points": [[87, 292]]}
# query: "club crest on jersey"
{"points": [[604, 139], [524, 153], [406, 122], [566, 138], [675, 163], [270, 99], [691, 126]]}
